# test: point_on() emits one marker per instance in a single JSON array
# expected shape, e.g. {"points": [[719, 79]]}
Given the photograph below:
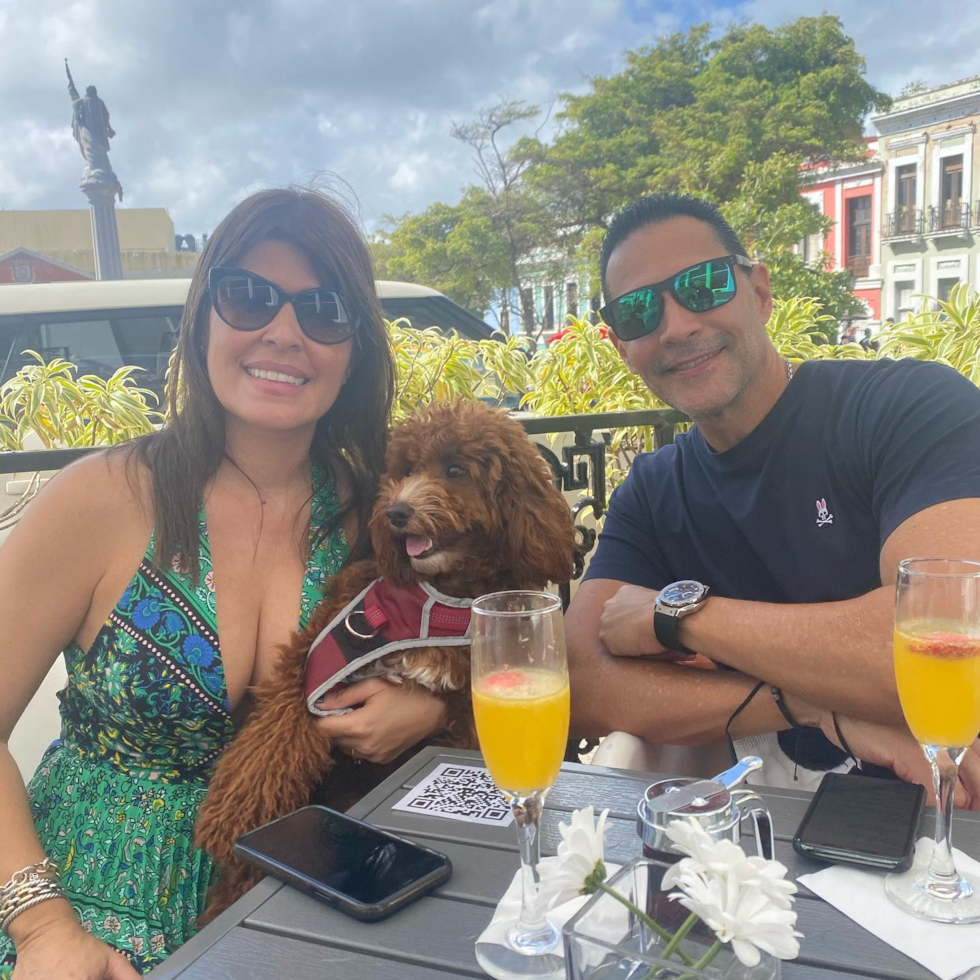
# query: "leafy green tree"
{"points": [[491, 246], [770, 218], [454, 248], [712, 117]]}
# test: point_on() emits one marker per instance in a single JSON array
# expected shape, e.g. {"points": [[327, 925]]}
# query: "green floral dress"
{"points": [[144, 715]]}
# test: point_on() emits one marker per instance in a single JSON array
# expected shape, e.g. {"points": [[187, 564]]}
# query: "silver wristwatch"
{"points": [[677, 600]]}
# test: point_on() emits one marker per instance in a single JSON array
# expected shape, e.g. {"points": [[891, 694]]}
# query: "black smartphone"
{"points": [[863, 821], [352, 866]]}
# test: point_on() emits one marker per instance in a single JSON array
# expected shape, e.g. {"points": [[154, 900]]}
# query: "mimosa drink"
{"points": [[519, 679], [937, 670], [938, 675], [522, 722]]}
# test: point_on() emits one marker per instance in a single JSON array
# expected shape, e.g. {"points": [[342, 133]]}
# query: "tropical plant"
{"points": [[798, 327], [434, 366], [949, 334], [581, 373], [46, 399]]}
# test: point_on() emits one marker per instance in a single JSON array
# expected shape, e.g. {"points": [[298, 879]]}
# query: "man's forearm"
{"points": [[668, 703], [837, 655]]}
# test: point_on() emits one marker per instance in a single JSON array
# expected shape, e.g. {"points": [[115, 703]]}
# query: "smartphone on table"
{"points": [[862, 821], [358, 869]]}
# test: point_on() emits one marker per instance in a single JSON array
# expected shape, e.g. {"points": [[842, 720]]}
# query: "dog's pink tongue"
{"points": [[415, 546]]}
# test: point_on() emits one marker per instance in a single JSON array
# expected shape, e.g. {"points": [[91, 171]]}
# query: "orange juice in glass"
{"points": [[937, 671], [521, 704], [522, 723], [937, 668]]}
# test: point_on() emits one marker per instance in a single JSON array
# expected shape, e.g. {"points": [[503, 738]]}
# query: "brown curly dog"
{"points": [[467, 506]]}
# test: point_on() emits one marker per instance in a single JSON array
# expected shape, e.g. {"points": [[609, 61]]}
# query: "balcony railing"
{"points": [[903, 222], [951, 217], [858, 265]]}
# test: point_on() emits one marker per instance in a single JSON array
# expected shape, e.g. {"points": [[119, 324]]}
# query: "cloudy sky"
{"points": [[212, 99]]}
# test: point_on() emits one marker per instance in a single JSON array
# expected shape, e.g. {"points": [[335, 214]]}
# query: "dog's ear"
{"points": [[537, 543]]}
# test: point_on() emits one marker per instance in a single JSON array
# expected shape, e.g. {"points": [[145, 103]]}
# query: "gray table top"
{"points": [[275, 931]]}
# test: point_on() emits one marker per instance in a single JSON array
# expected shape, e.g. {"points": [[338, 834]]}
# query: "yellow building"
{"points": [[146, 236]]}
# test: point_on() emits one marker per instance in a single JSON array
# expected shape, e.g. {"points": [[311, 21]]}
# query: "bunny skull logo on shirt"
{"points": [[823, 515]]}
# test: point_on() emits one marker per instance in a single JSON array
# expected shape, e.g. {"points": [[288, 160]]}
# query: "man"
{"points": [[789, 505]]}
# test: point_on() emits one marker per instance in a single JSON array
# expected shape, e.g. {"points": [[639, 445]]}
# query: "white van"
{"points": [[100, 326]]}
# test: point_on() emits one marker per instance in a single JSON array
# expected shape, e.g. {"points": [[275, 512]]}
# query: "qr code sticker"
{"points": [[458, 793]]}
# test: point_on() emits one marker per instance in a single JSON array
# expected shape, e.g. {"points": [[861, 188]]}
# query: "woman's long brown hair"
{"points": [[349, 440]]}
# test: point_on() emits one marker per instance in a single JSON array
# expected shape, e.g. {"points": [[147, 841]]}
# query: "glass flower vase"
{"points": [[604, 940]]}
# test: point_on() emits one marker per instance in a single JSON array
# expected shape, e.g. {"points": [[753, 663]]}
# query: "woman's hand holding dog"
{"points": [[388, 719]]}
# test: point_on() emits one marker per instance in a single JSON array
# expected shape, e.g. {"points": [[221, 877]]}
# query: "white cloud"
{"points": [[211, 99]]}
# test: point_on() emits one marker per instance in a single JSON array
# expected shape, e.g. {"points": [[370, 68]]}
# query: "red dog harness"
{"points": [[381, 620]]}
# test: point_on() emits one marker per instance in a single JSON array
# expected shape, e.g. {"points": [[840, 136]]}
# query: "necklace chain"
{"points": [[789, 371]]}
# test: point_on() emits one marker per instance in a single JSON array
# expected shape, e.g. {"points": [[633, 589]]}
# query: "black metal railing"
{"points": [[858, 265], [579, 466], [903, 221], [950, 217], [582, 466]]}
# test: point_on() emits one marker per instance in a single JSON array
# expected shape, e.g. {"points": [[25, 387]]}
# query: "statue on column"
{"points": [[91, 129]]}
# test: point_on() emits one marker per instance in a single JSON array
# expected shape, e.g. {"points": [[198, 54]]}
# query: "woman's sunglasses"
{"points": [[246, 301], [699, 288]]}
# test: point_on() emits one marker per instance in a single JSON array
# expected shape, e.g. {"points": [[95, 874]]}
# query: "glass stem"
{"points": [[945, 765], [527, 813]]}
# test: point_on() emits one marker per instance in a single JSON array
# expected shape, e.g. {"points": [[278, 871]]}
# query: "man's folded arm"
{"points": [[836, 654], [659, 702]]}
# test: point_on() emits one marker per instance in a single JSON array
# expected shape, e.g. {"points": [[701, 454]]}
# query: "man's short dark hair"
{"points": [[656, 208]]}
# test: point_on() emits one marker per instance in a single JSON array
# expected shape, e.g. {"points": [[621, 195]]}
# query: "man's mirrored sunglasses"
{"points": [[699, 288], [246, 301]]}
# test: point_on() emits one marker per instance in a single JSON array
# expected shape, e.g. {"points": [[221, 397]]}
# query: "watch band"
{"points": [[668, 632]]}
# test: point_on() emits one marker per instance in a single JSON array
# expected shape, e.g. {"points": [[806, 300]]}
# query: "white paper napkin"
{"points": [[950, 951], [613, 926]]}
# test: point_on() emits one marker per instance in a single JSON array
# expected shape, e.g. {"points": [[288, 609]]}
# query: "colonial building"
{"points": [[927, 144], [851, 195], [51, 246]]}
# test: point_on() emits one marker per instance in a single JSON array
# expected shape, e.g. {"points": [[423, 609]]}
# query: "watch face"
{"points": [[682, 593]]}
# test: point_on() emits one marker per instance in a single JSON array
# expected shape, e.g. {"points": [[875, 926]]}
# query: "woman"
{"points": [[227, 523]]}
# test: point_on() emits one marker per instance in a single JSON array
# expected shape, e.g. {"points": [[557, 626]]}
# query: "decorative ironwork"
{"points": [[858, 265], [582, 466], [903, 222], [951, 217]]}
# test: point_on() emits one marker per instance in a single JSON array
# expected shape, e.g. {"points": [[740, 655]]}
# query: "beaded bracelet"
{"points": [[777, 696]]}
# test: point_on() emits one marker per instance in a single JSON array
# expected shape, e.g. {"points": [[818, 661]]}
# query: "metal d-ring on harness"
{"points": [[354, 632]]}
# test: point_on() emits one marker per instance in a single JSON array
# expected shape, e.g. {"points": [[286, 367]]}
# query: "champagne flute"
{"points": [[521, 705], [937, 667]]}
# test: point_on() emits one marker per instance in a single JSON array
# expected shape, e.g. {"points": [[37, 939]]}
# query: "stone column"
{"points": [[105, 233]]}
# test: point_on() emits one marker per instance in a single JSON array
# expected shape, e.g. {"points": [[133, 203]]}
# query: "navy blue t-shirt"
{"points": [[799, 510]]}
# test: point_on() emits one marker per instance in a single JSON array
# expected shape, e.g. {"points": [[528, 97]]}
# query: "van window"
{"points": [[97, 342]]}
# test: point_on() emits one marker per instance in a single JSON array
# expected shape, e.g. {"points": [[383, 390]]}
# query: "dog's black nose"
{"points": [[399, 514]]}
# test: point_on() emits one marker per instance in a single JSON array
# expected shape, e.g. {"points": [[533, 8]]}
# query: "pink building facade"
{"points": [[850, 195]]}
